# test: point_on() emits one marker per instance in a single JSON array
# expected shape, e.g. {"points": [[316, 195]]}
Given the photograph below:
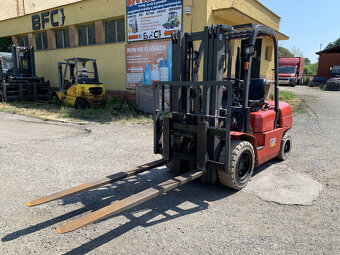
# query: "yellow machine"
{"points": [[79, 84]]}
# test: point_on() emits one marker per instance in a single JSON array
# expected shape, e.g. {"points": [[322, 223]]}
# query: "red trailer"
{"points": [[291, 71]]}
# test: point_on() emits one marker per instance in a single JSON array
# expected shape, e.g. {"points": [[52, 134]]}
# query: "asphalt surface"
{"points": [[38, 158]]}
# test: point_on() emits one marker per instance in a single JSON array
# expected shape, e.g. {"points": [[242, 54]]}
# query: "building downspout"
{"points": [[20, 7]]}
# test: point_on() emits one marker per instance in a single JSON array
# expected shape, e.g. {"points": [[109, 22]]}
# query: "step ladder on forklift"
{"points": [[215, 129]]}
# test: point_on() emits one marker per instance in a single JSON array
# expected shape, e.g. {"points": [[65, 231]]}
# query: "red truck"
{"points": [[291, 71]]}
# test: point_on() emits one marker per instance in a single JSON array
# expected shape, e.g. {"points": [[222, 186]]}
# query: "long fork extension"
{"points": [[136, 199], [95, 184]]}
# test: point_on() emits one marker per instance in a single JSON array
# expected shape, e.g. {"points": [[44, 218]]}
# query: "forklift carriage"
{"points": [[215, 129]]}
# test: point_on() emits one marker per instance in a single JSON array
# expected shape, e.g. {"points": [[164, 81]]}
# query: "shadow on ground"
{"points": [[197, 194], [153, 212]]}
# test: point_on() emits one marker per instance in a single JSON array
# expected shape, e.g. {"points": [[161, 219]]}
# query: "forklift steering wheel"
{"points": [[237, 90]]}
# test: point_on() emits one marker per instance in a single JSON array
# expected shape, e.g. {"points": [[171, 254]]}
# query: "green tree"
{"points": [[296, 52], [283, 52], [333, 44], [306, 70], [307, 61], [311, 69], [4, 43]]}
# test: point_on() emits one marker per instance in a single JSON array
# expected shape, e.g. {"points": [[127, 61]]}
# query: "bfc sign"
{"points": [[55, 17]]}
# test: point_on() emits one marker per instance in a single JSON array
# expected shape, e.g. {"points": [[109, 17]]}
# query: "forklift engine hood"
{"points": [[285, 115]]}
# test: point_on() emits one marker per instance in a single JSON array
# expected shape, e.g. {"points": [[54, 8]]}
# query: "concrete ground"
{"points": [[290, 207]]}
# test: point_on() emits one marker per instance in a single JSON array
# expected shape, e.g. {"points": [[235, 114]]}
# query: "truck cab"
{"points": [[335, 72], [291, 71]]}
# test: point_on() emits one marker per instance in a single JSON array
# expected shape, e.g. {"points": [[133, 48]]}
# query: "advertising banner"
{"points": [[153, 19], [147, 62]]}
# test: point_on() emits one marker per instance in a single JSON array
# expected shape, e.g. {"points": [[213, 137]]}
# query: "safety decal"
{"points": [[272, 142]]}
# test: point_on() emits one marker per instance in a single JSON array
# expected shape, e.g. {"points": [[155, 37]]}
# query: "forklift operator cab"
{"points": [[79, 83]]}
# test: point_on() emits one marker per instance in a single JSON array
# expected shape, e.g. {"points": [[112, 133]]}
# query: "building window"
{"points": [[62, 38], [87, 35], [23, 40], [268, 53], [114, 30], [41, 41]]}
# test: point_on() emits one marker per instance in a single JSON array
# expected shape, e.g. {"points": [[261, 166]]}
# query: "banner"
{"points": [[153, 19], [147, 62]]}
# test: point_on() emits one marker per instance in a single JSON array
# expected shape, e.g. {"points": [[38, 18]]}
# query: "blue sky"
{"points": [[308, 23]]}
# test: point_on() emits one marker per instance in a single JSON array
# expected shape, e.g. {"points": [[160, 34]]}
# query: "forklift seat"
{"points": [[257, 88]]}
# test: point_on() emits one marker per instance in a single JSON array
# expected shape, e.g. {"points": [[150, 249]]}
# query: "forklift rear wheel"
{"points": [[241, 166], [81, 104], [286, 147]]}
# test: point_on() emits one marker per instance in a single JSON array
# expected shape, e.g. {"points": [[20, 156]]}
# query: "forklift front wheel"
{"points": [[54, 99], [242, 159], [81, 104], [286, 147]]}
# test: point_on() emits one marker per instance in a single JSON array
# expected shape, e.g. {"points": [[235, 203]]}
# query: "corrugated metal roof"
{"points": [[335, 49]]}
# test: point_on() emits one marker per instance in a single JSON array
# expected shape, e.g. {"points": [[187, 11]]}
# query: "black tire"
{"points": [[285, 147], [81, 104], [293, 84], [332, 84], [241, 166], [54, 99]]}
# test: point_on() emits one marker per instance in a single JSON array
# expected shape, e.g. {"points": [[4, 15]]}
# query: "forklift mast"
{"points": [[23, 61], [20, 82]]}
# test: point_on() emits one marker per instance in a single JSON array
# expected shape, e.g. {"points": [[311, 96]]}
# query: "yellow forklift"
{"points": [[79, 84]]}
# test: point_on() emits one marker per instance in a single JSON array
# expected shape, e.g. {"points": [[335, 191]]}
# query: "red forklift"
{"points": [[217, 128]]}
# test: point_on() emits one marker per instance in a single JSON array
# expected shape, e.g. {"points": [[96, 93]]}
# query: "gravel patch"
{"points": [[281, 184]]}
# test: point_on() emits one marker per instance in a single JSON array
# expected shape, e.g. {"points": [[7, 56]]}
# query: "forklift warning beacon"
{"points": [[217, 129]]}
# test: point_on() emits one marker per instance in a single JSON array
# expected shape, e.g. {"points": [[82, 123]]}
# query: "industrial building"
{"points": [[327, 59], [116, 31], [16, 8]]}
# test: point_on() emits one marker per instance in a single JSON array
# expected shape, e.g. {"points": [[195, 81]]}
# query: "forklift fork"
{"points": [[121, 205]]}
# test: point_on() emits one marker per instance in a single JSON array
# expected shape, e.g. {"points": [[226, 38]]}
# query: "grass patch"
{"points": [[286, 95], [295, 102], [109, 113]]}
